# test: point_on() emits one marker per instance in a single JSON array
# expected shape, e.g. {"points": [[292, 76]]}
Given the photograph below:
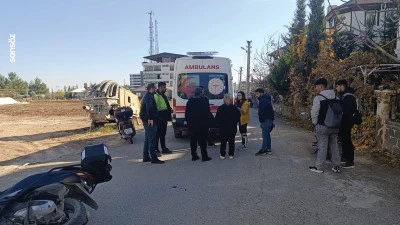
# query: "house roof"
{"points": [[359, 5], [158, 57]]}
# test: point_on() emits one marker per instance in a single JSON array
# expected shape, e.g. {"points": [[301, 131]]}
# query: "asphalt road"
{"points": [[275, 189]]}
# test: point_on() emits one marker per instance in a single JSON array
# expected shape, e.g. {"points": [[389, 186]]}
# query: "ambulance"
{"points": [[199, 69]]}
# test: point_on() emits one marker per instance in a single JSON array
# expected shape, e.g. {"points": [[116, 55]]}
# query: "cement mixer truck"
{"points": [[104, 98]]}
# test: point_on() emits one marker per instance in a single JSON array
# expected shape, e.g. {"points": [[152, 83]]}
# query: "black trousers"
{"points": [[347, 143], [231, 140], [199, 137], [161, 132]]}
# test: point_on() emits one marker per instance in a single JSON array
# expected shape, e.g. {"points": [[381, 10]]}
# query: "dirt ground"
{"points": [[46, 131]]}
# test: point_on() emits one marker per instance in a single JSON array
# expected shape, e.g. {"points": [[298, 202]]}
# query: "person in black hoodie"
{"points": [[149, 114], [228, 116], [266, 118], [349, 105], [198, 117]]}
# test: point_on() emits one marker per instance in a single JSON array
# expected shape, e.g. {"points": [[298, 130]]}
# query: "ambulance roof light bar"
{"points": [[210, 53]]}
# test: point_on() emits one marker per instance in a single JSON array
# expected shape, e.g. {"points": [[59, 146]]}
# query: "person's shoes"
{"points": [[269, 152], [261, 152], [348, 165], [336, 169], [231, 157], [315, 169], [158, 153], [157, 162], [195, 158], [146, 160], [343, 160], [166, 151], [206, 159], [222, 157]]}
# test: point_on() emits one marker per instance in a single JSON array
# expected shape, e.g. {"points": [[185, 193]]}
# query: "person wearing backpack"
{"points": [[326, 114], [349, 105]]}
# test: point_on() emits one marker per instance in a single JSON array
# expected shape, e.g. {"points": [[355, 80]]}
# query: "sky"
{"points": [[77, 41]]}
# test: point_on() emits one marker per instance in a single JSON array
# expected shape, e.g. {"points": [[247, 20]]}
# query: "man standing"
{"points": [[149, 114], [266, 118], [210, 143], [326, 135], [164, 115], [349, 105], [197, 115]]}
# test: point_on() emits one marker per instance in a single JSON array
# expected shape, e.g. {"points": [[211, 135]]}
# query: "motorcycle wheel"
{"points": [[75, 212]]}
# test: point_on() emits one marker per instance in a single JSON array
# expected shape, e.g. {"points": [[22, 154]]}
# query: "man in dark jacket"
{"points": [[266, 118], [149, 114], [164, 115], [198, 115], [349, 105]]}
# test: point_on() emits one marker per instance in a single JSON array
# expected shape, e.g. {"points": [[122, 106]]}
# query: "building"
{"points": [[355, 14], [160, 68], [136, 80]]}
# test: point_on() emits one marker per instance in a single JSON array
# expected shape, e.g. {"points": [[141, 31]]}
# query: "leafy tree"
{"points": [[389, 32], [59, 94], [316, 32], [298, 24], [278, 78], [16, 83], [344, 43], [37, 86]]}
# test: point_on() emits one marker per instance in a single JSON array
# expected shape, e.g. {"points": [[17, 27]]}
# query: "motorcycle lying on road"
{"points": [[126, 129], [58, 196]]}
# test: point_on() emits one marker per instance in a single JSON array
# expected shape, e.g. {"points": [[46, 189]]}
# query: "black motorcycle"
{"points": [[58, 196], [126, 129]]}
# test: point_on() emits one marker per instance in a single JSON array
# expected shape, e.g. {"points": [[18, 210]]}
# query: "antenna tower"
{"points": [[151, 49], [156, 37]]}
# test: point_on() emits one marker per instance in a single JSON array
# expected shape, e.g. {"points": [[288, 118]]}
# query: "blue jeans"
{"points": [[266, 134], [150, 142]]}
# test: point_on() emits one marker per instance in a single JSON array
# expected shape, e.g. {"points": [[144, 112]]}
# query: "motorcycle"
{"points": [[125, 126], [58, 196]]}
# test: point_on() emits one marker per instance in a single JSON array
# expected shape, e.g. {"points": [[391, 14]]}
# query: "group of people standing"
{"points": [[329, 136], [156, 112], [230, 115]]}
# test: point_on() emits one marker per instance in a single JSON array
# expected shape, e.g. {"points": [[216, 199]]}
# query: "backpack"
{"points": [[357, 115], [333, 114]]}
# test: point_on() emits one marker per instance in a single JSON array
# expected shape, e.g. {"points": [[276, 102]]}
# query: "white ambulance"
{"points": [[199, 69]]}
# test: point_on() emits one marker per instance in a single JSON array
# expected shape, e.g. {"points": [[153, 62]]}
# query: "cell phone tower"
{"points": [[156, 37], [151, 49]]}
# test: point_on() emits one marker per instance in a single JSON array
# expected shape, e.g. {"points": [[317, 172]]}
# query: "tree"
{"points": [[3, 82], [389, 32], [278, 78], [16, 83], [298, 24], [344, 43], [59, 94], [316, 32], [38, 87]]}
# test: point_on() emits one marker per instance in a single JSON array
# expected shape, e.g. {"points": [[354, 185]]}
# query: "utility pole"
{"points": [[248, 70], [240, 76]]}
